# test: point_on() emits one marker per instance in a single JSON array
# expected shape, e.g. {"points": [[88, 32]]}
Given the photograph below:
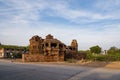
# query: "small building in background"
{"points": [[5, 51]]}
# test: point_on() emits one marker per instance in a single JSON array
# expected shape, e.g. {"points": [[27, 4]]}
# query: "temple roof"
{"points": [[49, 36], [52, 40], [36, 37]]}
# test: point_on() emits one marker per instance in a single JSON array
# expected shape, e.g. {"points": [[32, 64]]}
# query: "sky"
{"points": [[90, 22]]}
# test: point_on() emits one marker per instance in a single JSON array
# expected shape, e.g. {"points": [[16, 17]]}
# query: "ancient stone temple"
{"points": [[48, 49]]}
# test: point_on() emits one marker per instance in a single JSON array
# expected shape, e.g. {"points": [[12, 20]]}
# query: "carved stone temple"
{"points": [[49, 49]]}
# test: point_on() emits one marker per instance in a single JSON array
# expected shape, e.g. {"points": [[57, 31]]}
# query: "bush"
{"points": [[71, 60], [18, 55], [100, 58], [90, 56], [113, 57]]}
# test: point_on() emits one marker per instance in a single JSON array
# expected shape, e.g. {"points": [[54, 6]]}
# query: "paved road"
{"points": [[22, 71]]}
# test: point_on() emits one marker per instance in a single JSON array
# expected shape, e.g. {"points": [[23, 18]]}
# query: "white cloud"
{"points": [[111, 7], [78, 16], [25, 11], [23, 20], [86, 37], [107, 4]]}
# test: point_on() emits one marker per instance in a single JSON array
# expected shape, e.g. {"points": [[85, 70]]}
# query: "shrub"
{"points": [[101, 58]]}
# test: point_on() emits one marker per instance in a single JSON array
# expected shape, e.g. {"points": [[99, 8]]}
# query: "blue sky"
{"points": [[91, 22]]}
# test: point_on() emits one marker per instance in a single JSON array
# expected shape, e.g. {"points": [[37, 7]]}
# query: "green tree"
{"points": [[95, 49], [14, 47], [28, 47], [113, 50]]}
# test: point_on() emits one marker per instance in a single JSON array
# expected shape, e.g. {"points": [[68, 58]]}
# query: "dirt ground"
{"points": [[115, 65], [112, 65]]}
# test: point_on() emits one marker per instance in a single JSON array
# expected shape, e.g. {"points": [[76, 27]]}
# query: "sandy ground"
{"points": [[112, 65], [115, 65]]}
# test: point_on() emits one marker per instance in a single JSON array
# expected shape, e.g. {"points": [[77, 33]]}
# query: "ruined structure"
{"points": [[73, 48], [48, 49]]}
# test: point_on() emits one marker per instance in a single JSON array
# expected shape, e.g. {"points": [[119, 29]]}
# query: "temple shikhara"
{"points": [[49, 49]]}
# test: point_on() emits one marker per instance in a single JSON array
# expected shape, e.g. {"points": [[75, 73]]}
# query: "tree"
{"points": [[95, 49], [28, 47], [113, 50]]}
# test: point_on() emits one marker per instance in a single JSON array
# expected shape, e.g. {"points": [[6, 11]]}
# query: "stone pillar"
{"points": [[23, 57], [49, 44], [44, 48], [57, 45], [44, 45]]}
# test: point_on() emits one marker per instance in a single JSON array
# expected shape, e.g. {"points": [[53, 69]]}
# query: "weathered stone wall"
{"points": [[32, 58], [41, 58]]}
